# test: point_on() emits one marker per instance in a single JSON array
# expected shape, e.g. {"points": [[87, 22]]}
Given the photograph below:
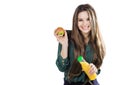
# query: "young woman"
{"points": [[84, 39]]}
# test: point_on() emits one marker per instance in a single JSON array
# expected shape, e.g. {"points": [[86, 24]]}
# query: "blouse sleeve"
{"points": [[61, 63]]}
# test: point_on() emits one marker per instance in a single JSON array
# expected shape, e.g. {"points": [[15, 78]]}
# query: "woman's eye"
{"points": [[80, 20], [88, 19]]}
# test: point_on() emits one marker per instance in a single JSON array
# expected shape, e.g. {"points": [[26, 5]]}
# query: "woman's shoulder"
{"points": [[70, 41], [69, 33]]}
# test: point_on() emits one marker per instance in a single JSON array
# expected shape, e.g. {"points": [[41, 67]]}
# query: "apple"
{"points": [[60, 31]]}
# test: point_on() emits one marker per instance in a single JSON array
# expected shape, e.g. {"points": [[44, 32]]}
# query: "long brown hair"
{"points": [[95, 39]]}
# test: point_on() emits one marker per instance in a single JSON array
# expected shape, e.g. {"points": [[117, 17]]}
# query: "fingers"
{"points": [[59, 38], [93, 69]]}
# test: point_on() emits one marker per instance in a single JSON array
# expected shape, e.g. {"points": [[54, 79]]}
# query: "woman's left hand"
{"points": [[93, 69]]}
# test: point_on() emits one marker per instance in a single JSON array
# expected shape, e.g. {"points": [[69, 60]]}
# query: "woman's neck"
{"points": [[86, 38]]}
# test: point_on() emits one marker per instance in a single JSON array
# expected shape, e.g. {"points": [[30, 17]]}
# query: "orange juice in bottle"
{"points": [[86, 68]]}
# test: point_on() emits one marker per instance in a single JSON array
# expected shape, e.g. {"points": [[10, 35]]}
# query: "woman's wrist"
{"points": [[64, 51]]}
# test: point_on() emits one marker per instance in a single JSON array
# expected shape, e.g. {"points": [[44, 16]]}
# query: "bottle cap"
{"points": [[80, 58]]}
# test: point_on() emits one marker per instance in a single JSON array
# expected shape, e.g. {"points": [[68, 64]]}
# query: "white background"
{"points": [[28, 48]]}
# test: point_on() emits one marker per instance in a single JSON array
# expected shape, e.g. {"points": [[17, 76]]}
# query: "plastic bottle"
{"points": [[86, 68]]}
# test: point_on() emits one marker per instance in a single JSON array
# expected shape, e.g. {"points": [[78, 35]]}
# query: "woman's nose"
{"points": [[85, 23]]}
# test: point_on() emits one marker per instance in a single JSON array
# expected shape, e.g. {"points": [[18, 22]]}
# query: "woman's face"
{"points": [[84, 22]]}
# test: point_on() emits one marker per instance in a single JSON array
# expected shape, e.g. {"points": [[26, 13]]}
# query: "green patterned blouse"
{"points": [[65, 64]]}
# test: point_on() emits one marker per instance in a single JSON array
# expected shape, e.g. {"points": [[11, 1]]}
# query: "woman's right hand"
{"points": [[62, 39]]}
